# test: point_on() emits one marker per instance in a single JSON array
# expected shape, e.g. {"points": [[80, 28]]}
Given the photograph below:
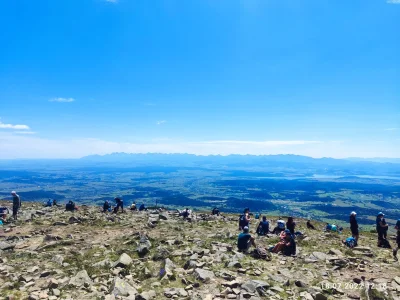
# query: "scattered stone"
{"points": [[81, 279], [124, 261], [204, 275], [121, 288]]}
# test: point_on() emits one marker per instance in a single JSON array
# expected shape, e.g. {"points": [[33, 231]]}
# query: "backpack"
{"points": [[257, 216], [241, 220], [281, 225], [351, 242], [385, 244], [261, 253]]}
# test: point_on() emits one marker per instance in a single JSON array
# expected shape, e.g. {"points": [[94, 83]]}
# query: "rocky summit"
{"points": [[53, 254]]}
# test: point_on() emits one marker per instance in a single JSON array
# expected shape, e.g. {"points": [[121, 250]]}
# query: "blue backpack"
{"points": [[351, 242]]}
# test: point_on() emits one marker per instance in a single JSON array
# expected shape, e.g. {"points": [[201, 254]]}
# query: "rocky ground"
{"points": [[52, 254]]}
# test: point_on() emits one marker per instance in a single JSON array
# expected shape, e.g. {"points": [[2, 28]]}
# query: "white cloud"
{"points": [[112, 1], [11, 126], [60, 99], [161, 122], [24, 132], [391, 129], [263, 143], [393, 1]]}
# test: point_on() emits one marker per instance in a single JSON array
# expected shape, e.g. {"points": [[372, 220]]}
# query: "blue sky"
{"points": [[318, 78]]}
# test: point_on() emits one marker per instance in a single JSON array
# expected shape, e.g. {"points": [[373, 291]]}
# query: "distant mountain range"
{"points": [[122, 156], [276, 164]]}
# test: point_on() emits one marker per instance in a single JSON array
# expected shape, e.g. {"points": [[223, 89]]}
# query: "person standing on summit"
{"points": [[16, 204], [354, 225], [120, 203]]}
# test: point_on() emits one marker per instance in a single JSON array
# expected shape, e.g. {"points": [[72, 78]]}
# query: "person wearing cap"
{"points": [[16, 204], [381, 227], [397, 227], [245, 240], [354, 225]]}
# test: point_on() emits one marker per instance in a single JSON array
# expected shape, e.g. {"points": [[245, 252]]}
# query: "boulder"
{"points": [[204, 275], [59, 259], [122, 288], [319, 255], [124, 261], [81, 279], [144, 245], [6, 246], [146, 295], [164, 216]]}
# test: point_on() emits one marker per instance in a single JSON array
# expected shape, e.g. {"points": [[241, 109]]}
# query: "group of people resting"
{"points": [[286, 232], [120, 204]]}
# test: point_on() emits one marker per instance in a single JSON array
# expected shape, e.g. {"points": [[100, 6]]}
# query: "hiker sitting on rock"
{"points": [[382, 229], [290, 244], [245, 240], [215, 211], [70, 206], [142, 207], [397, 227], [263, 226], [309, 225], [330, 227], [281, 244], [106, 206], [244, 220], [280, 227], [133, 206], [120, 203], [49, 203], [186, 213], [4, 211]]}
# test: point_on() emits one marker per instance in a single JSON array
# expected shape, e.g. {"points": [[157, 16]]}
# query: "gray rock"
{"points": [[164, 216], [53, 283], [144, 245], [80, 279], [169, 265], [249, 286], [122, 288], [124, 261], [60, 224], [6, 246], [320, 255], [253, 286], [103, 263], [204, 275], [190, 264], [320, 296], [397, 279], [234, 264], [59, 259], [300, 283], [336, 252]]}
